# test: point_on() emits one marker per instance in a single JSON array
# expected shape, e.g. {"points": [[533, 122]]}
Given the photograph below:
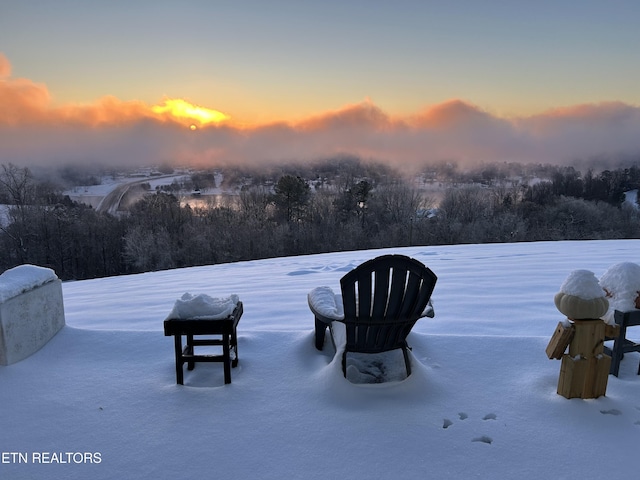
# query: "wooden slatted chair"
{"points": [[381, 301]]}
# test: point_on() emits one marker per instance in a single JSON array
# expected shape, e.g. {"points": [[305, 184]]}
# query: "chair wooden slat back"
{"points": [[383, 298]]}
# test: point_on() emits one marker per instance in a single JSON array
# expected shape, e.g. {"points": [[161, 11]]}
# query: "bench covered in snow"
{"points": [[202, 315], [31, 311]]}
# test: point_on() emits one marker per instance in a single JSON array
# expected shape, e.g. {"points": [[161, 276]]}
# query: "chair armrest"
{"points": [[428, 311], [325, 305]]}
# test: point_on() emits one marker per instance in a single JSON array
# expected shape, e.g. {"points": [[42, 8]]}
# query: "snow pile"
{"points": [[622, 285], [382, 367], [582, 284], [324, 301], [581, 297], [203, 307], [23, 278]]}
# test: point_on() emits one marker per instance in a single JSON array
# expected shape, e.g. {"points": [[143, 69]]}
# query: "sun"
{"points": [[180, 109]]}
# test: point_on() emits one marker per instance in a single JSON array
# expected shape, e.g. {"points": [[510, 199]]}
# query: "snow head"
{"points": [[581, 296], [621, 283]]}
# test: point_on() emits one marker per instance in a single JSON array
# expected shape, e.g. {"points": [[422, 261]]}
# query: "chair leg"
{"points": [[321, 328], [344, 363], [407, 360], [617, 351]]}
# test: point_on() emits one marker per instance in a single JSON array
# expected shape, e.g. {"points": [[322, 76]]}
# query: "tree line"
{"points": [[305, 212]]}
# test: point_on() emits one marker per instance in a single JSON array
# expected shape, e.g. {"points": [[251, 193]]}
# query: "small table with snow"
{"points": [[221, 324]]}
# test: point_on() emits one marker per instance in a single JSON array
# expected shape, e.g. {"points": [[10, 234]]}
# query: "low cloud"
{"points": [[111, 131]]}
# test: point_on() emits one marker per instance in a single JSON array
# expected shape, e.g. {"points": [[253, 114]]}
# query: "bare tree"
{"points": [[17, 184]]}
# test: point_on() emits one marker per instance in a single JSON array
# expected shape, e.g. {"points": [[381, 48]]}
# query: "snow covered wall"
{"points": [[31, 311]]}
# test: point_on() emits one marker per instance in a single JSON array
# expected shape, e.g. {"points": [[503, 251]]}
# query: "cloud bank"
{"points": [[111, 131]]}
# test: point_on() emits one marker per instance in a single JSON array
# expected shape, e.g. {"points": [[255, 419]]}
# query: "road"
{"points": [[111, 201]]}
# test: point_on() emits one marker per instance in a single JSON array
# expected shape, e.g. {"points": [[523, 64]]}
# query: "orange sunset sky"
{"points": [[406, 82]]}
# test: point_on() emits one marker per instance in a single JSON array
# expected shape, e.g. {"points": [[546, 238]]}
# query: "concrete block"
{"points": [[31, 311]]}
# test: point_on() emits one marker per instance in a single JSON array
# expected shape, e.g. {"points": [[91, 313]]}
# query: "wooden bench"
{"points": [[223, 329], [621, 344]]}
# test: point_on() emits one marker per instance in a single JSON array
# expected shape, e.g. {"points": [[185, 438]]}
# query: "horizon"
{"points": [[408, 84]]}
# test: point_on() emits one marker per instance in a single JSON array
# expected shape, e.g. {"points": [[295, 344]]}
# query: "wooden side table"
{"points": [[223, 329]]}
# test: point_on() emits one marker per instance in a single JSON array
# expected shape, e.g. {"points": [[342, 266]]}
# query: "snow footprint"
{"points": [[613, 411], [483, 439], [446, 423], [616, 412]]}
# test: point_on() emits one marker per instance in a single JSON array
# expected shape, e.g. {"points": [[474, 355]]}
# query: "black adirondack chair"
{"points": [[381, 301]]}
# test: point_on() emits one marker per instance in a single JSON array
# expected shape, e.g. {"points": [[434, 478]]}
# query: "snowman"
{"points": [[584, 371], [621, 283]]}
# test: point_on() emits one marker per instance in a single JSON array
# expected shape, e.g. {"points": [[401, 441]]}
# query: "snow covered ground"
{"points": [[481, 402]]}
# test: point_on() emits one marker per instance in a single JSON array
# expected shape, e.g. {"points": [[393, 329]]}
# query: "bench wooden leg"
{"points": [[234, 346], [189, 351], [178, 348], [227, 357]]}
